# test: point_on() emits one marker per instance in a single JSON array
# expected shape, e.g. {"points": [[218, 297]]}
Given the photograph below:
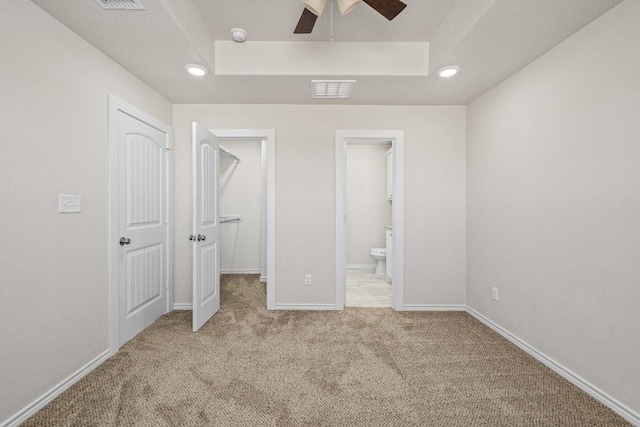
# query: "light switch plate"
{"points": [[69, 203]]}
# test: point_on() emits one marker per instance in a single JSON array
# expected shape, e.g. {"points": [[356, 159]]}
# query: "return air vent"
{"points": [[120, 4], [332, 89]]}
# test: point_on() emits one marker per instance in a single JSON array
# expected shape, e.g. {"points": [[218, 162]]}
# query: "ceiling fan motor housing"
{"points": [[313, 9]]}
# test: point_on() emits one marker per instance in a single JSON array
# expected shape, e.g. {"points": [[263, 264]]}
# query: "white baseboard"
{"points": [[263, 279], [241, 271], [305, 307], [361, 266], [182, 306], [44, 400], [602, 397], [434, 307]]}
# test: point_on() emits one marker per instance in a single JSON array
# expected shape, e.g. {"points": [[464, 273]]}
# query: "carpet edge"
{"points": [[619, 408], [42, 401]]}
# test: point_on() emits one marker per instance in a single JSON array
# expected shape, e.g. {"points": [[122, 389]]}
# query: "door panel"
{"points": [[206, 226], [145, 160], [144, 278], [142, 209], [209, 261]]}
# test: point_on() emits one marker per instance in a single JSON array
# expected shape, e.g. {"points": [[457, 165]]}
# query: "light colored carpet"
{"points": [[359, 367]]}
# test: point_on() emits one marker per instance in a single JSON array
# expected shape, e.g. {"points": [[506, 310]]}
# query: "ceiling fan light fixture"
{"points": [[347, 6], [448, 71], [315, 6], [196, 70]]}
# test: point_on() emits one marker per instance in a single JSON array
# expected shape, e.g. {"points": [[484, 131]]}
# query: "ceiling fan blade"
{"points": [[387, 8], [306, 22]]}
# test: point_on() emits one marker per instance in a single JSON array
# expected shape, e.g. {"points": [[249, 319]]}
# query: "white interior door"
{"points": [[142, 224], [206, 226]]}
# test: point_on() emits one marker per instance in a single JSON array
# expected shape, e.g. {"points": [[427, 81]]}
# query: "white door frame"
{"points": [[268, 135], [116, 105], [397, 222]]}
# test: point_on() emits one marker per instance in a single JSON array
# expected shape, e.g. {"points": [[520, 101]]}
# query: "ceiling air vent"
{"points": [[332, 89], [120, 4]]}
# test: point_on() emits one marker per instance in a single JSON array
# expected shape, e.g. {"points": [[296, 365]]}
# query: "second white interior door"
{"points": [[206, 226]]}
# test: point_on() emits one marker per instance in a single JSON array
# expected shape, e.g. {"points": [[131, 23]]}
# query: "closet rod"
{"points": [[228, 153], [224, 219]]}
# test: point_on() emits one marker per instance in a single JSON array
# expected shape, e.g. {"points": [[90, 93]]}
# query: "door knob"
{"points": [[201, 237], [124, 241]]}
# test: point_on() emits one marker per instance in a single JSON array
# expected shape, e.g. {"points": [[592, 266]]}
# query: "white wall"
{"points": [[368, 210], [435, 210], [53, 280], [554, 202], [240, 194]]}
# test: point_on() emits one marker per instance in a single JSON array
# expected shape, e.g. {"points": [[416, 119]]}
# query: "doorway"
{"points": [[238, 252], [396, 245], [243, 207], [368, 205]]}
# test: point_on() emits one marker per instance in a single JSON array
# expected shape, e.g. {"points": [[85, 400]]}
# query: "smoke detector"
{"points": [[238, 35], [121, 4]]}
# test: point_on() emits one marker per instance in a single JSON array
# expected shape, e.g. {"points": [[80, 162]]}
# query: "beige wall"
{"points": [[305, 195], [554, 202], [368, 210], [53, 280]]}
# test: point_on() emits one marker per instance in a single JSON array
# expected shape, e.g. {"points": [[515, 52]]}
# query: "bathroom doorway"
{"points": [[368, 206], [369, 226]]}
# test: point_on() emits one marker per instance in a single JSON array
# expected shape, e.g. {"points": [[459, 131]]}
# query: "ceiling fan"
{"points": [[313, 9]]}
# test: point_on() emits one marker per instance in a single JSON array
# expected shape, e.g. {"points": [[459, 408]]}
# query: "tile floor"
{"points": [[365, 289]]}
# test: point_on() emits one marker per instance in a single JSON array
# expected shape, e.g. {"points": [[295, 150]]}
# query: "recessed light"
{"points": [[238, 35], [196, 70], [448, 71]]}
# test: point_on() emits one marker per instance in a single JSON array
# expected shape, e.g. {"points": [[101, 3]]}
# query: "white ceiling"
{"points": [[489, 39]]}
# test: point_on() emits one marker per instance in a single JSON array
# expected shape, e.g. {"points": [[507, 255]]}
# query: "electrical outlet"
{"points": [[307, 280], [495, 294]]}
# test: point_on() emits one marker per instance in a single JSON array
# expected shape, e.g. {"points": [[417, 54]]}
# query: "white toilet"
{"points": [[380, 255]]}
